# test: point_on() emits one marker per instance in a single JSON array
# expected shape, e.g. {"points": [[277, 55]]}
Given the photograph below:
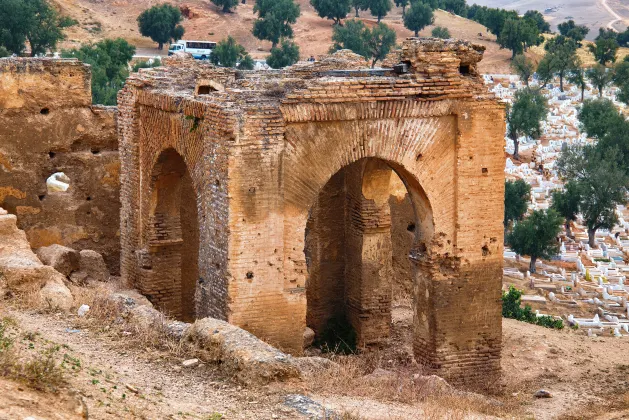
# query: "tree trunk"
{"points": [[532, 265], [379, 17], [591, 237], [600, 92], [356, 11], [416, 34], [403, 11], [526, 82], [561, 81], [568, 229], [516, 149], [582, 92], [160, 46]]}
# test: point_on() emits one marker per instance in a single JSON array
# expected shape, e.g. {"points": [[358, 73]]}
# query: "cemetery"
{"points": [[585, 286]]}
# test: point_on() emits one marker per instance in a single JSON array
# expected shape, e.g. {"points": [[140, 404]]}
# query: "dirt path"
{"points": [[116, 384], [617, 17]]}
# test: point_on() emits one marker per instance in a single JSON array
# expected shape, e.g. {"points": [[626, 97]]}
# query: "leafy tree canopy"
{"points": [[566, 202], [523, 67], [518, 35], [229, 53], [524, 117], [561, 58], [598, 116], [418, 17], [600, 77], [275, 18], [285, 55], [441, 32], [379, 8], [373, 44], [109, 59], [226, 5], [359, 5], [536, 236], [517, 196], [571, 30], [605, 46], [32, 21], [398, 3], [161, 24], [621, 79], [537, 18], [332, 9]]}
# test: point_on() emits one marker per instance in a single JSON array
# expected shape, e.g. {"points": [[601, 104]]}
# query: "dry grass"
{"points": [[365, 376], [37, 369]]}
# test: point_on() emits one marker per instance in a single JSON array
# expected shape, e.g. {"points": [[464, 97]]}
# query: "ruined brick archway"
{"points": [[261, 150], [169, 279], [349, 250]]}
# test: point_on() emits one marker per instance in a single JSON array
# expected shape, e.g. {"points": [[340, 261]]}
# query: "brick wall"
{"points": [[48, 125], [268, 151]]}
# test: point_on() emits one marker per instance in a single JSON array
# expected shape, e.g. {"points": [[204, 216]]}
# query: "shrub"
{"points": [[144, 64], [441, 32], [338, 336], [511, 308]]}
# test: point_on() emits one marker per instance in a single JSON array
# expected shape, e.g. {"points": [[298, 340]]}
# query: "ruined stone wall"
{"points": [[48, 125], [261, 147]]}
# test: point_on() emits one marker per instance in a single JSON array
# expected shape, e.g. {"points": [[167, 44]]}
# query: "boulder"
{"points": [[249, 359], [129, 299], [93, 265], [63, 259], [55, 295], [309, 337]]}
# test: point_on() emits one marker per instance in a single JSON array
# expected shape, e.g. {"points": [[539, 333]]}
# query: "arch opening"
{"points": [[173, 239], [358, 253]]}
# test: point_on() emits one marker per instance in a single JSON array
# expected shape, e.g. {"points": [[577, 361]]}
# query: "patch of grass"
{"points": [[338, 336]]}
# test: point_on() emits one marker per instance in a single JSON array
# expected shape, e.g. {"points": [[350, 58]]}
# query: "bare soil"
{"points": [[111, 19], [109, 379]]}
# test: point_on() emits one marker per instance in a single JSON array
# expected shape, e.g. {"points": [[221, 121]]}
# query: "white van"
{"points": [[200, 50]]}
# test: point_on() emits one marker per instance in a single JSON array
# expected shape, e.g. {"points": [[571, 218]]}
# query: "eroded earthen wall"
{"points": [[48, 125]]}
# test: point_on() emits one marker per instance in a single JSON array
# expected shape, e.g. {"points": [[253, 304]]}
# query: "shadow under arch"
{"points": [[348, 250], [169, 277]]}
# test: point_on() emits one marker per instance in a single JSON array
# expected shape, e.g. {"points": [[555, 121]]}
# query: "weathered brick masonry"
{"points": [[48, 125], [266, 195]]}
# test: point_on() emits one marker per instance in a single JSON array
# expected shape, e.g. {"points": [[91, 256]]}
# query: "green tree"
{"points": [[332, 9], [359, 5], [529, 109], [605, 46], [109, 60], [418, 17], [32, 21], [517, 35], [350, 36], [598, 116], [572, 30], [566, 202], [458, 7], [4, 52], [536, 236], [578, 76], [441, 32], [275, 18], [228, 53], [538, 20], [285, 55], [599, 77], [517, 197], [398, 3], [227, 5], [379, 41], [523, 67], [621, 79], [601, 181], [561, 57], [161, 24], [379, 8]]}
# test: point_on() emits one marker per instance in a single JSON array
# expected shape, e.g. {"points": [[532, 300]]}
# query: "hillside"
{"points": [[117, 18]]}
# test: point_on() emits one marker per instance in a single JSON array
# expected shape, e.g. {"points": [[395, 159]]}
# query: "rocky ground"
{"points": [[107, 377]]}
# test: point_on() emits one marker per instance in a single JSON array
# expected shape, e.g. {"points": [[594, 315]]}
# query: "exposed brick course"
{"points": [[289, 171]]}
